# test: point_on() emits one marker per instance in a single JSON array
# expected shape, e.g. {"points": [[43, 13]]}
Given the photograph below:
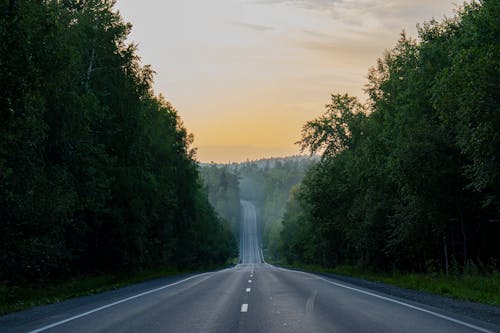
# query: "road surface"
{"points": [[250, 297], [250, 250]]}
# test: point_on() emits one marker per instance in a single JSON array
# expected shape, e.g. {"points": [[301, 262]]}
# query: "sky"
{"points": [[245, 75]]}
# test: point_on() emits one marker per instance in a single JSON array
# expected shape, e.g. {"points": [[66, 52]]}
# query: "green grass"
{"points": [[472, 287], [17, 298]]}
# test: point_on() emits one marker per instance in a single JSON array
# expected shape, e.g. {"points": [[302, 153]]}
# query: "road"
{"points": [[251, 297], [250, 250]]}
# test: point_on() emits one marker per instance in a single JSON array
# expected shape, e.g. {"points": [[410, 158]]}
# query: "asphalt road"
{"points": [[250, 297], [250, 250]]}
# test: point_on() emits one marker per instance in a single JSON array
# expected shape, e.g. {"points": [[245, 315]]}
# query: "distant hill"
{"points": [[264, 163]]}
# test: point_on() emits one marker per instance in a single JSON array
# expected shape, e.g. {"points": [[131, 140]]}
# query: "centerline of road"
{"points": [[244, 306]]}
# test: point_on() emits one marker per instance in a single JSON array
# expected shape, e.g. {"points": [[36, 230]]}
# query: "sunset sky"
{"points": [[245, 75]]}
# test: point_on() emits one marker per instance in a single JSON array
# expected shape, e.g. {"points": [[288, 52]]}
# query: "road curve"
{"points": [[250, 297]]}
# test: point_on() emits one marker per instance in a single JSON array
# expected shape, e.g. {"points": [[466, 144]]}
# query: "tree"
{"points": [[409, 181], [96, 173]]}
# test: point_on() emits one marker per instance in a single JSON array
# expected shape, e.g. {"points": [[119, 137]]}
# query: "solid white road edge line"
{"points": [[463, 323], [244, 307], [116, 303]]}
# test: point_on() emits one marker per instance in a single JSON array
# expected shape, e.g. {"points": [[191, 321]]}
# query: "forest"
{"points": [[410, 180], [96, 172], [265, 182], [222, 186]]}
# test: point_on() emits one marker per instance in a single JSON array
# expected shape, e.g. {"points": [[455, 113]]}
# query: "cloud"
{"points": [[347, 45], [391, 14], [316, 34], [254, 27], [309, 4], [344, 53], [343, 47], [322, 5]]}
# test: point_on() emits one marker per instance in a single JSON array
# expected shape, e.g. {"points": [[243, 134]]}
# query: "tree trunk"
{"points": [[89, 70], [464, 236], [446, 262]]}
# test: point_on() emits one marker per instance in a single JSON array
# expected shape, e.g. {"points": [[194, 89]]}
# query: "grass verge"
{"points": [[17, 298], [470, 287]]}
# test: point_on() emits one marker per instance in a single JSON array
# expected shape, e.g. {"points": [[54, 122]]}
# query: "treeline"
{"points": [[267, 183], [96, 173], [411, 180], [222, 186]]}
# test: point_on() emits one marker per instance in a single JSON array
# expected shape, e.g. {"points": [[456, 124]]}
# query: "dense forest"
{"points": [[96, 173], [267, 183], [411, 179], [222, 186]]}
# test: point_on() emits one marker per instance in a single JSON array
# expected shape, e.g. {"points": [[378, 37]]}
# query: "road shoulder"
{"points": [[487, 313]]}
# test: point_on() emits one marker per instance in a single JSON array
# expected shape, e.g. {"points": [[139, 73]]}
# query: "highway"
{"points": [[253, 296], [250, 250]]}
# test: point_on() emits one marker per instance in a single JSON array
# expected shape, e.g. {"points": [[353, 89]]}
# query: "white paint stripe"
{"points": [[244, 307], [251, 275], [249, 281], [44, 328], [456, 321], [248, 290]]}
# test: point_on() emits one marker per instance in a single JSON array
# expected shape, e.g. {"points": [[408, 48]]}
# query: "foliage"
{"points": [[267, 183], [222, 186], [334, 131], [471, 286], [409, 181], [17, 298], [96, 173]]}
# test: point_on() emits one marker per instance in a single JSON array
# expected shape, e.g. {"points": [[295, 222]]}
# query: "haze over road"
{"points": [[250, 250], [250, 297]]}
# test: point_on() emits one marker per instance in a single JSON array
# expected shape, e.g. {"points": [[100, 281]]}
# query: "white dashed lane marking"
{"points": [[244, 307], [248, 290]]}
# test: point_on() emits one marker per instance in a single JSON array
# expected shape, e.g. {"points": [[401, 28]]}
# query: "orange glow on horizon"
{"points": [[246, 75]]}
